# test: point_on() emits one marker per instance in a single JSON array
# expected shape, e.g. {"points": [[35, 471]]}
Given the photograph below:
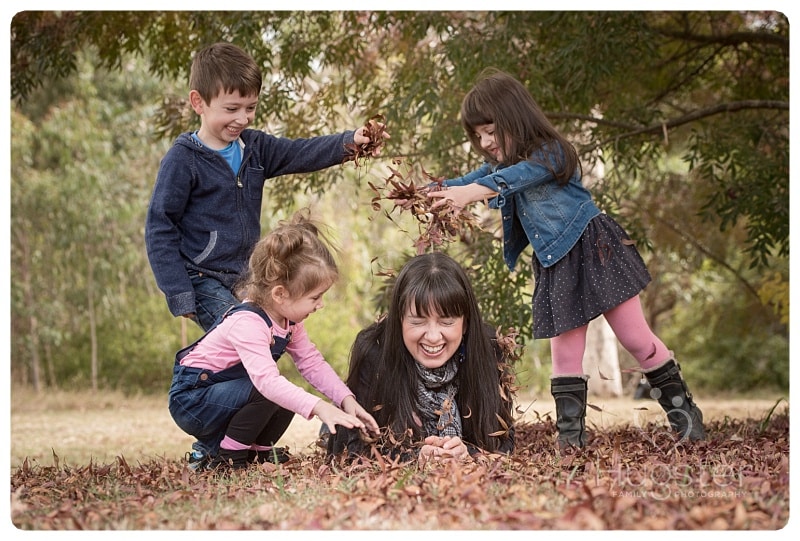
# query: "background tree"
{"points": [[686, 111]]}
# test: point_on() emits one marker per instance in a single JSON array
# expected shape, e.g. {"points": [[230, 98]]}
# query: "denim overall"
{"points": [[202, 402]]}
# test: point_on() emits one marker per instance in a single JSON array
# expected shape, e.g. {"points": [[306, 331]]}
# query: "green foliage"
{"points": [[731, 166], [78, 198], [504, 297], [696, 72], [681, 119], [774, 292], [726, 340]]}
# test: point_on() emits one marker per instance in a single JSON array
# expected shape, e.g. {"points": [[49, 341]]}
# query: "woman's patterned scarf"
{"points": [[436, 397]]}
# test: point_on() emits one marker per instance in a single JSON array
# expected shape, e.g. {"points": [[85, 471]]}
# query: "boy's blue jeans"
{"points": [[212, 298]]}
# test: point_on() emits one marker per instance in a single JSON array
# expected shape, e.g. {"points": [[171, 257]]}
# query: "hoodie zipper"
{"points": [[245, 157]]}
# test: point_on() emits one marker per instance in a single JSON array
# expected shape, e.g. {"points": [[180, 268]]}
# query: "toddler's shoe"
{"points": [[279, 455], [196, 460], [228, 459]]}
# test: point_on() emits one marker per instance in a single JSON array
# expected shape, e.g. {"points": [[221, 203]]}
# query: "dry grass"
{"points": [[83, 427]]}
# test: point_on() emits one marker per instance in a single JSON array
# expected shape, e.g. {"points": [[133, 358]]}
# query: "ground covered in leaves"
{"points": [[627, 478]]}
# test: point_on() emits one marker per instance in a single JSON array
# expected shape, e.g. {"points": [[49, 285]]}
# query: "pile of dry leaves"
{"points": [[627, 478]]}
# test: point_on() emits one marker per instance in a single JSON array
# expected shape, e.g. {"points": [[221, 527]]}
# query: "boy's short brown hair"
{"points": [[224, 67]]}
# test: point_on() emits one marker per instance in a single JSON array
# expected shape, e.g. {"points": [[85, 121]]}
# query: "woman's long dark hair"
{"points": [[430, 283], [521, 127]]}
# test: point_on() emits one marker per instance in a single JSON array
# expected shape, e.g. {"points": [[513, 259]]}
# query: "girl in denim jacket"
{"points": [[585, 265]]}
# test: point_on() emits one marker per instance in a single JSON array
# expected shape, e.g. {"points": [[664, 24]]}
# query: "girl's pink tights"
{"points": [[628, 323]]}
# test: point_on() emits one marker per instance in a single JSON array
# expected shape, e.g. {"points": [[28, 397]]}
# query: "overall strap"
{"points": [[278, 344], [277, 348], [249, 306], [235, 308]]}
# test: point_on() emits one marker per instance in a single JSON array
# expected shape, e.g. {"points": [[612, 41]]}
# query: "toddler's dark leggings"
{"points": [[259, 422]]}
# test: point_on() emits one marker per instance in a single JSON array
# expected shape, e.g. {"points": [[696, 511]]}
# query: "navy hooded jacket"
{"points": [[204, 217]]}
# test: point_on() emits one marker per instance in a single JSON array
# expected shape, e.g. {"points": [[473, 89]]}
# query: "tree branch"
{"points": [[694, 242], [659, 128], [733, 39]]}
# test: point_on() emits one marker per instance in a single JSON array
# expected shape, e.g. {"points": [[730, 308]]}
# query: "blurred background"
{"points": [[681, 120]]}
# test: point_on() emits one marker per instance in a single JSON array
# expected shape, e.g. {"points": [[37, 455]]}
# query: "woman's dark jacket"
{"points": [[350, 440]]}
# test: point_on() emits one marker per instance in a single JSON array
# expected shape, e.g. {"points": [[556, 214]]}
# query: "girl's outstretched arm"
{"points": [[461, 196]]}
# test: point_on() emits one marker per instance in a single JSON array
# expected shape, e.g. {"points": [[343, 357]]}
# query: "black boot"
{"points": [[228, 459], [669, 388], [570, 396]]}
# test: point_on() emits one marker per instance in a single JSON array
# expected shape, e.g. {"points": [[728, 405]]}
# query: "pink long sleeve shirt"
{"points": [[244, 337]]}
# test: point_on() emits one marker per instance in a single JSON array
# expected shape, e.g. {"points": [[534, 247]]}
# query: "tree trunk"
{"points": [[92, 321], [36, 376], [601, 360], [33, 322], [50, 369]]}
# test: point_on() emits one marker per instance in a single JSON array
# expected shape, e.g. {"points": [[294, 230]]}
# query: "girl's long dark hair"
{"points": [[521, 127], [431, 283]]}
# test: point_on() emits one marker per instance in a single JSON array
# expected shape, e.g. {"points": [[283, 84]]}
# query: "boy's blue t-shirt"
{"points": [[232, 153]]}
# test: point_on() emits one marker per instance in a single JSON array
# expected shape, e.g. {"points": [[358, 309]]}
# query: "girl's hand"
{"points": [[460, 196], [351, 406], [447, 447], [332, 416]]}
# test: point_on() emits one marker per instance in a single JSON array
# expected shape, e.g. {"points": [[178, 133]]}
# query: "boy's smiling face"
{"points": [[224, 117]]}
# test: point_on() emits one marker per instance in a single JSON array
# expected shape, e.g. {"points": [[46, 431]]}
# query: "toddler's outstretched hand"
{"points": [[331, 416], [351, 406]]}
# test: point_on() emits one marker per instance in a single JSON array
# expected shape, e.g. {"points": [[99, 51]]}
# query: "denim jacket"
{"points": [[535, 209], [204, 217]]}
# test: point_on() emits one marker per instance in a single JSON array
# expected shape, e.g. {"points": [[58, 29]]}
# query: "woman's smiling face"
{"points": [[432, 340]]}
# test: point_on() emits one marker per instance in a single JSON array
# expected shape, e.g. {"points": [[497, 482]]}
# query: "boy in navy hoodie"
{"points": [[204, 214]]}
